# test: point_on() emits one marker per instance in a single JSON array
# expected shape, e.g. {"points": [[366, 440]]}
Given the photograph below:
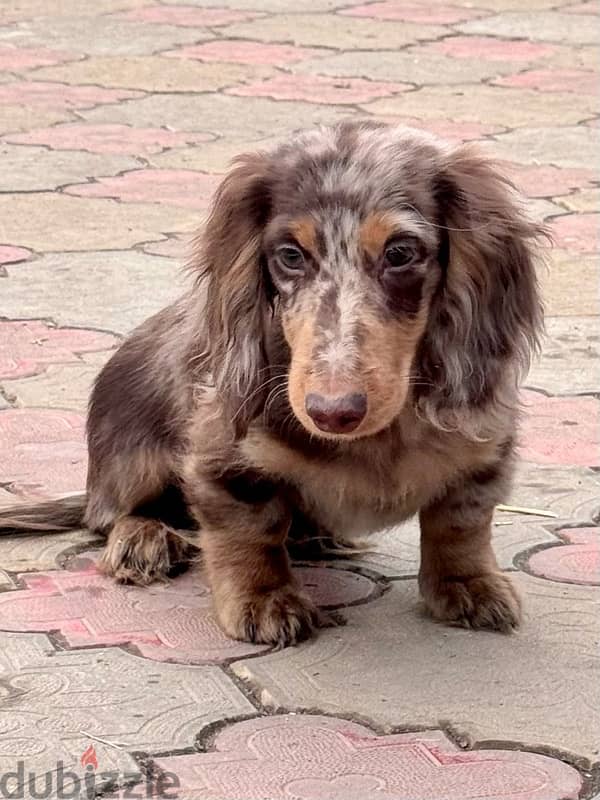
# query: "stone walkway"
{"points": [[117, 118]]}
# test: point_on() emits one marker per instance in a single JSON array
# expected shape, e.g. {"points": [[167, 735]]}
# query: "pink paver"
{"points": [[12, 255], [43, 452], [424, 13], [28, 346], [178, 187], [489, 48], [108, 138], [164, 622], [580, 81], [51, 95], [241, 52], [446, 128], [187, 16], [18, 58], [561, 430], [319, 89], [577, 232], [323, 758], [548, 181], [578, 561]]}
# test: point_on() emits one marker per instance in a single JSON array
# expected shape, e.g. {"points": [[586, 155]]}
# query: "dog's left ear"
{"points": [[487, 314], [228, 255]]}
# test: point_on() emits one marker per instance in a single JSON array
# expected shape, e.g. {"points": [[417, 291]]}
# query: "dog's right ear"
{"points": [[228, 257]]}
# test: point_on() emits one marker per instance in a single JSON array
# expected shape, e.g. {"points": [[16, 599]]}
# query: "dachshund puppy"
{"points": [[365, 299]]}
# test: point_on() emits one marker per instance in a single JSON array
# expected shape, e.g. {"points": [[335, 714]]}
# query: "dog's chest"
{"points": [[354, 496]]}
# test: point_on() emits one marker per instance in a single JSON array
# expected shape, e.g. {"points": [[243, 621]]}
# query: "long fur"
{"points": [[201, 419]]}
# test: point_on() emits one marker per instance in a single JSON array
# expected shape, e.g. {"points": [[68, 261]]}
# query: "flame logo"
{"points": [[89, 757]]}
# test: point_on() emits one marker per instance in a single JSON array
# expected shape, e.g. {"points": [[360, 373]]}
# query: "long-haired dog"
{"points": [[365, 298]]}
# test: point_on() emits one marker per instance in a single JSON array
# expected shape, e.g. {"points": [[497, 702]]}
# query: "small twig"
{"points": [[534, 512], [102, 741]]}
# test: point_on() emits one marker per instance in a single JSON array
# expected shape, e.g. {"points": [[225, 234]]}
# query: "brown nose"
{"points": [[336, 414]]}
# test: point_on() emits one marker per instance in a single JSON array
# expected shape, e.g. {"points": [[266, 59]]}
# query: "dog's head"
{"points": [[392, 267]]}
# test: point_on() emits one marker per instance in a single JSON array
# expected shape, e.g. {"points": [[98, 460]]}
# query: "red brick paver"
{"points": [[578, 561]]}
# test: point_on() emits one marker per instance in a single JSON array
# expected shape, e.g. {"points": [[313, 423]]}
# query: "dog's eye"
{"points": [[290, 257], [399, 254]]}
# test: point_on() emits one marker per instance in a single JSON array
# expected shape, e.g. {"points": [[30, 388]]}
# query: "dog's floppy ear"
{"points": [[487, 314], [229, 255]]}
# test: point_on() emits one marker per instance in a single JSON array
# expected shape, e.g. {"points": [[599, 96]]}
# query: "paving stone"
{"points": [[412, 66], [17, 59], [169, 187], [112, 36], [57, 697], [319, 89], [18, 10], [541, 683], [490, 48], [244, 118], [28, 169], [212, 156], [350, 32], [44, 453], [545, 180], [577, 561], [152, 74], [21, 118], [325, 758], [560, 430], [561, 283], [538, 26], [163, 622], [575, 147], [553, 80], [13, 255], [583, 202], [35, 553], [28, 346], [587, 7], [178, 247], [52, 95], [570, 492], [570, 360], [116, 290], [55, 222], [108, 138], [577, 232], [497, 105], [445, 128], [396, 552], [413, 12], [186, 15], [272, 6], [238, 51], [65, 386]]}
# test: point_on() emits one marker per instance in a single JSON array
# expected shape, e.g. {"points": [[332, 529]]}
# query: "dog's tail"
{"points": [[52, 516]]}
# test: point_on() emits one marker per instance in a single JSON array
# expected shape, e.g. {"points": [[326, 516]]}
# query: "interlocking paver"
{"points": [[577, 561], [117, 118], [424, 672], [36, 168], [330, 759], [27, 346], [55, 222], [121, 277], [163, 622], [108, 138]]}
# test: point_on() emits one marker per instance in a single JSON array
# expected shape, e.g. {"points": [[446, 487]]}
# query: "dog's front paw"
{"points": [[487, 601], [280, 617]]}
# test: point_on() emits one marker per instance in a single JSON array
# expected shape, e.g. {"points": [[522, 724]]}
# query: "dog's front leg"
{"points": [[459, 579], [244, 525]]}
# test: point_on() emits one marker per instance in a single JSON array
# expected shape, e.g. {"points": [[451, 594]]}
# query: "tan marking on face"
{"points": [[304, 231], [375, 231], [382, 370]]}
